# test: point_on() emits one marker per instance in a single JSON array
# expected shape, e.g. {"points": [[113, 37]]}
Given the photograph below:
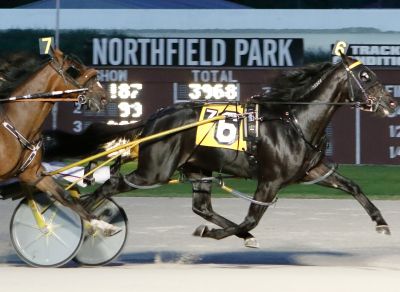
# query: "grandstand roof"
{"points": [[135, 4]]}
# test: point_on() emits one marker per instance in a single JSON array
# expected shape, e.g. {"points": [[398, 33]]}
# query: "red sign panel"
{"points": [[136, 93]]}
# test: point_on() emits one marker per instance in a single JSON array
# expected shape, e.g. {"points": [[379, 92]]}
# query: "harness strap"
{"points": [[322, 177], [89, 74], [131, 184], [219, 181], [355, 64], [31, 156], [238, 194], [34, 148], [291, 119], [350, 72]]}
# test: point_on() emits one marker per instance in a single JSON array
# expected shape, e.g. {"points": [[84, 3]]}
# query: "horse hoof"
{"points": [[106, 228], [383, 229], [200, 230], [251, 243]]}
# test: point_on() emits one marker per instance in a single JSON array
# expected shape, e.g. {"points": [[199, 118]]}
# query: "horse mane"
{"points": [[15, 68], [292, 85]]}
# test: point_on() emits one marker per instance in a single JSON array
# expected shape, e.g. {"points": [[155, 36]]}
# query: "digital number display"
{"points": [[206, 92], [126, 96], [125, 90], [213, 91]]}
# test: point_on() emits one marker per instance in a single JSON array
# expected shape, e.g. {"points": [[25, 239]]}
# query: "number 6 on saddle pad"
{"points": [[231, 133]]}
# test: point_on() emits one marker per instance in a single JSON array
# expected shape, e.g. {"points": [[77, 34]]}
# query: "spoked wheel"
{"points": [[98, 249], [51, 245]]}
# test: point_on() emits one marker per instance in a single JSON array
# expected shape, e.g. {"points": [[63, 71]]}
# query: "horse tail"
{"points": [[59, 144]]}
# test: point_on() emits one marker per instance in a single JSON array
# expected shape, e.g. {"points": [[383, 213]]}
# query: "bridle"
{"points": [[356, 72], [74, 76]]}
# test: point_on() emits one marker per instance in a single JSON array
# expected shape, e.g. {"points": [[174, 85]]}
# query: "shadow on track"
{"points": [[228, 258], [292, 258]]}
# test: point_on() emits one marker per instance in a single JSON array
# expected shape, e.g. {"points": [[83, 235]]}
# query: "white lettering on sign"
{"points": [[112, 75], [385, 50], [254, 52], [374, 60], [374, 55], [213, 76], [157, 52], [218, 52], [394, 131], [395, 114], [394, 151], [190, 51], [395, 91], [267, 52]]}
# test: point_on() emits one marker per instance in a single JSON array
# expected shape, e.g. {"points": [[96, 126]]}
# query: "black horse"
{"points": [[289, 149]]}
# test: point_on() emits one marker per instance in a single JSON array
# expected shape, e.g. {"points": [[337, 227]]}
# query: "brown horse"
{"points": [[21, 122]]}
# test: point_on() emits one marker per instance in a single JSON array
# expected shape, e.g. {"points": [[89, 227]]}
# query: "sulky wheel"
{"points": [[51, 245], [98, 249]]}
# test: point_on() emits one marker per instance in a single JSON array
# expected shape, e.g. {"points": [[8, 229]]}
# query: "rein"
{"points": [[46, 96], [50, 99], [355, 103]]}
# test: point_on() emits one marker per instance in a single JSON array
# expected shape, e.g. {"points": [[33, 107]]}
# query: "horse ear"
{"points": [[340, 49], [345, 59], [57, 54]]}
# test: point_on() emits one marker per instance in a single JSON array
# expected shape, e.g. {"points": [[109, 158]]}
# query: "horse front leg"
{"points": [[265, 192], [202, 206], [337, 181], [49, 186]]}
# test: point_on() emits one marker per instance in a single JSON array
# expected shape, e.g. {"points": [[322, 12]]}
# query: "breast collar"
{"points": [[33, 147]]}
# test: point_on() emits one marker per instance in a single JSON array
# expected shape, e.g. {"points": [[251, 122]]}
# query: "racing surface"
{"points": [[305, 245]]}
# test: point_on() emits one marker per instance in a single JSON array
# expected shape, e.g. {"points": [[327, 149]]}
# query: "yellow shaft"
{"points": [[135, 142], [92, 171], [40, 221]]}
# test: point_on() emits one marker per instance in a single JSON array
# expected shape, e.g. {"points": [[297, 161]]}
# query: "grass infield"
{"points": [[377, 182]]}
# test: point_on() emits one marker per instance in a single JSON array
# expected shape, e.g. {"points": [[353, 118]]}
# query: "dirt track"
{"points": [[306, 245]]}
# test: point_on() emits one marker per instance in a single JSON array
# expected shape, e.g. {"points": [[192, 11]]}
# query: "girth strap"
{"points": [[251, 130], [34, 148]]}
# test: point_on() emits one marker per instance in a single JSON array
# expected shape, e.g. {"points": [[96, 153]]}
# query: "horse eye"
{"points": [[364, 76]]}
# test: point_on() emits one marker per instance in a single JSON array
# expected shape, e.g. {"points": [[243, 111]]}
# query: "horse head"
{"points": [[365, 89], [76, 75]]}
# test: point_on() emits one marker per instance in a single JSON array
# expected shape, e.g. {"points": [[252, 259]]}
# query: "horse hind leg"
{"points": [[265, 193], [202, 206], [153, 171], [119, 183], [337, 181]]}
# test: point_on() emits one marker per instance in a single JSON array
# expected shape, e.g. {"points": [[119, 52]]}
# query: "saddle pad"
{"points": [[223, 133]]}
